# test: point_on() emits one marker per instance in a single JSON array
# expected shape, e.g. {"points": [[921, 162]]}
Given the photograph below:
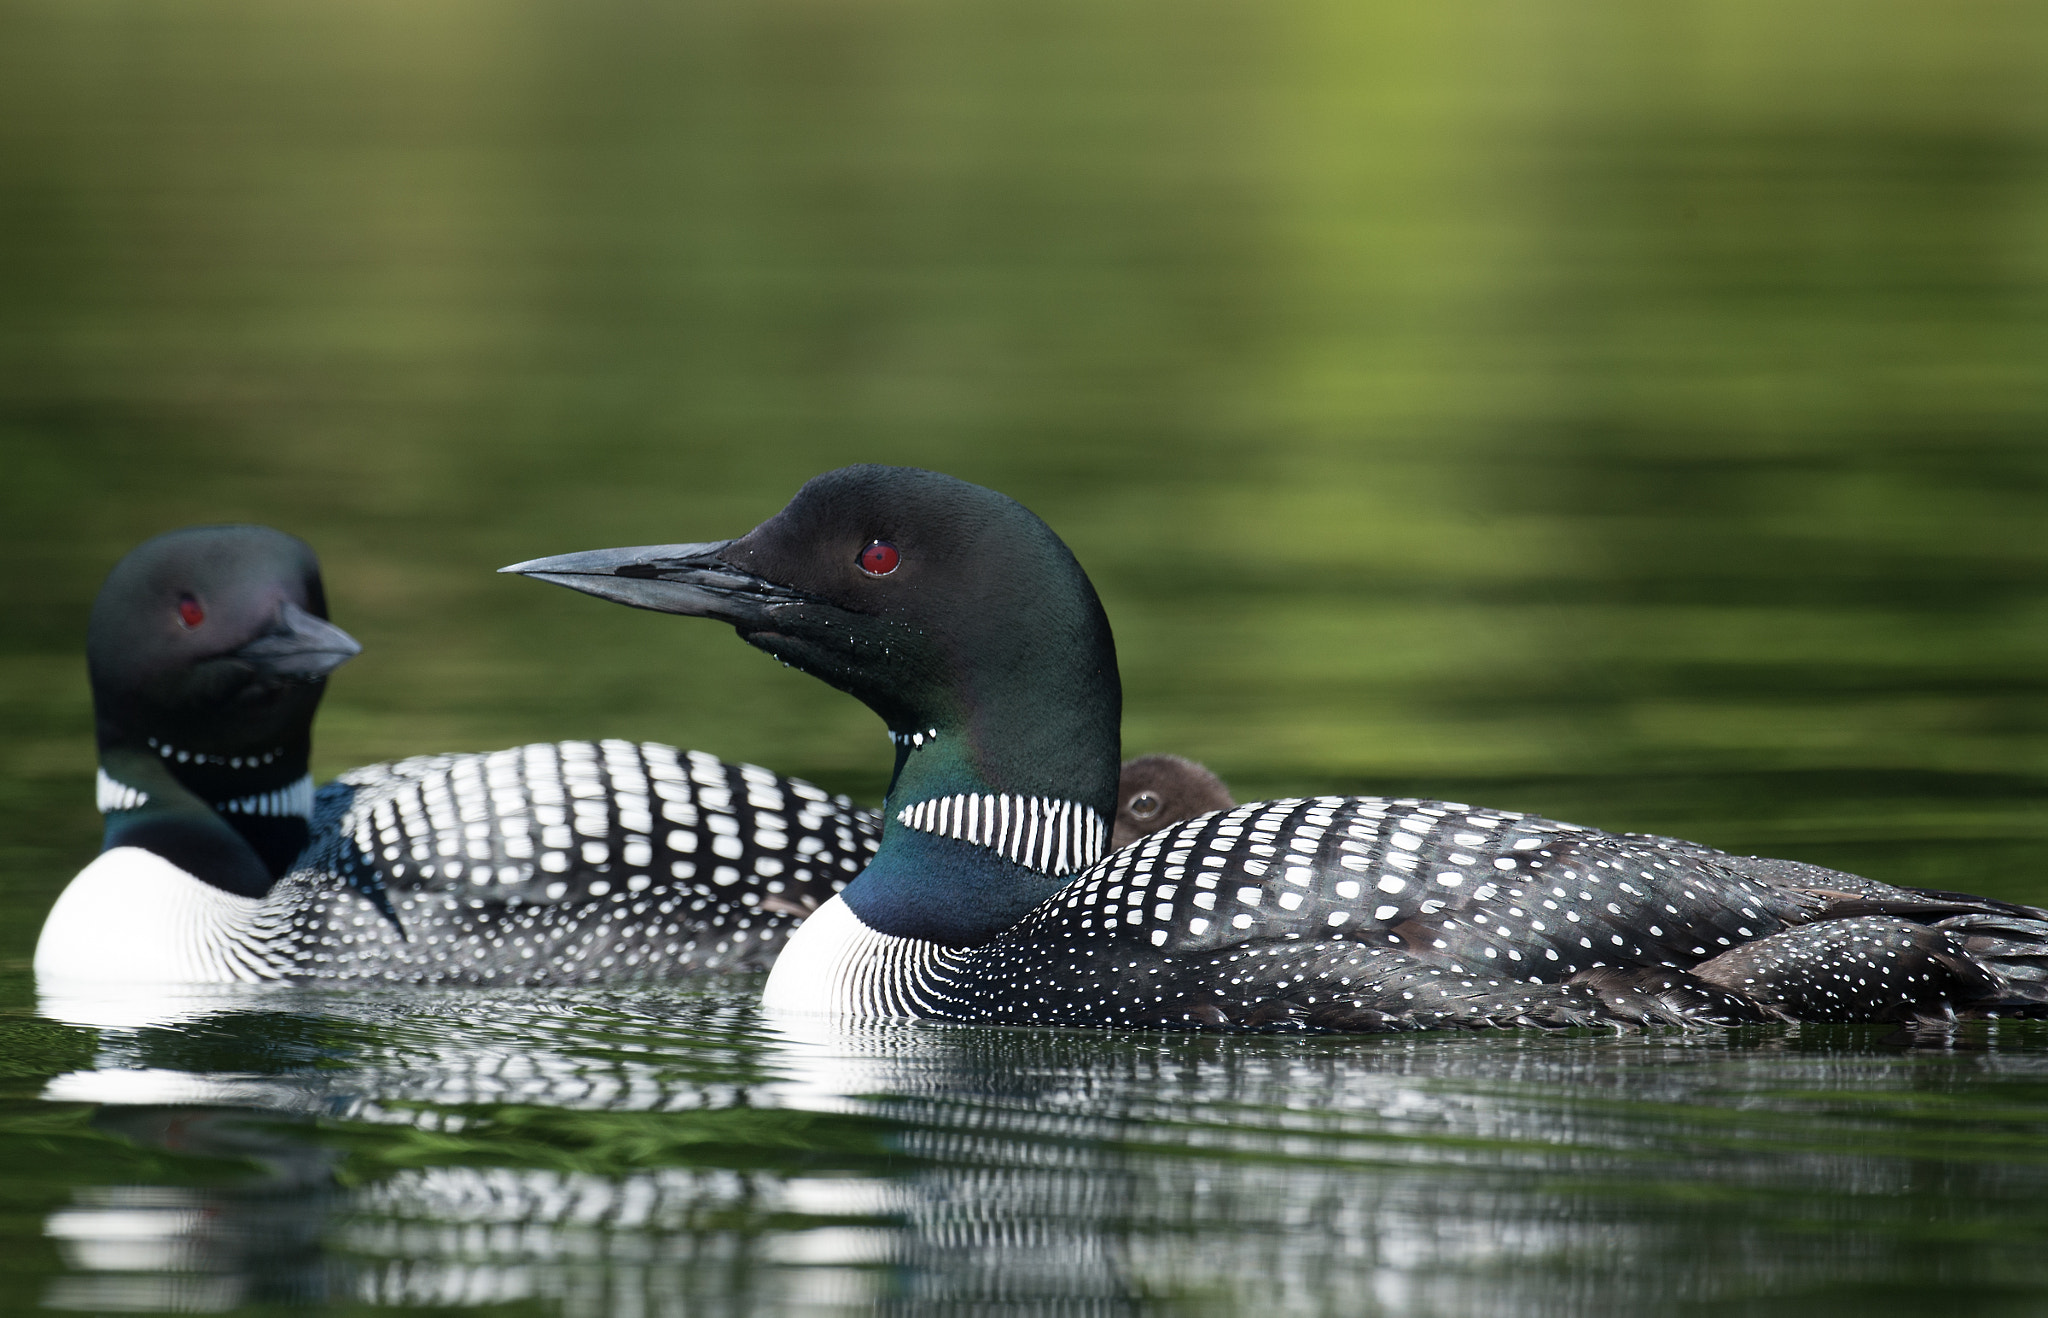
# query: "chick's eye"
{"points": [[1145, 805], [879, 559], [189, 611]]}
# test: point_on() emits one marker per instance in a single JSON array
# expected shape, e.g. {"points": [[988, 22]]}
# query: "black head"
{"points": [[213, 640], [1155, 791], [941, 605]]}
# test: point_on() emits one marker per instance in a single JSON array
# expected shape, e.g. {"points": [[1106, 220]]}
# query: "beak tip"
{"points": [[300, 647], [687, 579]]}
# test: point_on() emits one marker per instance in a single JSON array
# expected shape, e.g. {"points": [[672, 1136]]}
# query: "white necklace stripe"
{"points": [[1038, 832], [293, 799], [112, 795]]}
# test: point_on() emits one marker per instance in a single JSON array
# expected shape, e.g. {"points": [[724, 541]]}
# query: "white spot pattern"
{"points": [[169, 752], [1256, 918], [482, 861]]}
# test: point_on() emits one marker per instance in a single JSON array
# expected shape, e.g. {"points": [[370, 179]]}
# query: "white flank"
{"points": [[112, 795], [134, 917], [835, 965], [1037, 832]]}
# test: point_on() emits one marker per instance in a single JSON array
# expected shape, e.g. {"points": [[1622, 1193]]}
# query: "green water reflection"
{"points": [[1636, 416], [671, 1152]]}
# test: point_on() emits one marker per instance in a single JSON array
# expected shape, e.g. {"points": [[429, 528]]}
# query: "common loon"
{"points": [[962, 620], [209, 650]]}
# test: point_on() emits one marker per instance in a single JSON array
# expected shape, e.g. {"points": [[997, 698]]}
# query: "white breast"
{"points": [[132, 916], [833, 964]]}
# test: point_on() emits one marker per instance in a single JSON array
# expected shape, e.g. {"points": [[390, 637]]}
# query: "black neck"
{"points": [[182, 818], [923, 884]]}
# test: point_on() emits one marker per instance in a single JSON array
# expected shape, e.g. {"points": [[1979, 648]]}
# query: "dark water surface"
{"points": [[668, 1151], [1635, 416]]}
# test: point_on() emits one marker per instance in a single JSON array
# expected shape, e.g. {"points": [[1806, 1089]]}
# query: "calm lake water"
{"points": [[1635, 416]]}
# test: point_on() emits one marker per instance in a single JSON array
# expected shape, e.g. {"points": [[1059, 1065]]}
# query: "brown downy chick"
{"points": [[1157, 790]]}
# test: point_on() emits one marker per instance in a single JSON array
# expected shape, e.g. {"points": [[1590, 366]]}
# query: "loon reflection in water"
{"points": [[664, 1151]]}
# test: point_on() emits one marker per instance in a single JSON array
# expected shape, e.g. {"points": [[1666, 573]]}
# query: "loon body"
{"points": [[963, 621], [559, 862], [555, 862]]}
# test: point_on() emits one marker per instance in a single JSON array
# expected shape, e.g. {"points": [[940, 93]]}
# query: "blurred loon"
{"points": [[209, 650], [567, 861], [961, 619]]}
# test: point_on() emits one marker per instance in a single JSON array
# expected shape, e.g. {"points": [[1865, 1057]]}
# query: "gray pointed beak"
{"points": [[687, 579], [299, 647]]}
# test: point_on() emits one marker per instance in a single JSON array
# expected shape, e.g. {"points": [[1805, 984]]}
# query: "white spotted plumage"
{"points": [[1364, 912], [548, 863]]}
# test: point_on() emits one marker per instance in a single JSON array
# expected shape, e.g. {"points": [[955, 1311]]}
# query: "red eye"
{"points": [[879, 559], [189, 611]]}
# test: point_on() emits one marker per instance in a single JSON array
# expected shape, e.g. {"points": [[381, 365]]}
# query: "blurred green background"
{"points": [[1634, 413]]}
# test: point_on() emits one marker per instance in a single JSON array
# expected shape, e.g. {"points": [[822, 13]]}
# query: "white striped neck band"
{"points": [[111, 795], [289, 801], [293, 799], [1038, 832]]}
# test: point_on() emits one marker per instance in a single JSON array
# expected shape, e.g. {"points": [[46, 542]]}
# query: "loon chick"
{"points": [[1157, 791], [209, 650], [963, 621]]}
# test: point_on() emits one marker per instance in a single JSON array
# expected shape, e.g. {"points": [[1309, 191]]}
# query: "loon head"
{"points": [[959, 617], [208, 651]]}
